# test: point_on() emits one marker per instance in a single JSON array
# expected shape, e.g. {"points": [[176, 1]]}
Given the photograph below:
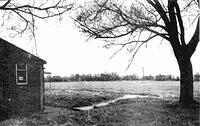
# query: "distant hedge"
{"points": [[114, 77]]}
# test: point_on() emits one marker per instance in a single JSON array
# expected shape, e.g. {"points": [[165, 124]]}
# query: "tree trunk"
{"points": [[186, 81]]}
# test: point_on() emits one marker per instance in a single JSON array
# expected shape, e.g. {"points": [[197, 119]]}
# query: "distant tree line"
{"points": [[114, 77]]}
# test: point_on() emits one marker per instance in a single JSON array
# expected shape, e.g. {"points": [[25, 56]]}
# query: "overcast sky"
{"points": [[66, 51]]}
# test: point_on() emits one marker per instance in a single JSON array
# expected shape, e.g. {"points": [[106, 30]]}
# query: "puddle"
{"points": [[128, 96]]}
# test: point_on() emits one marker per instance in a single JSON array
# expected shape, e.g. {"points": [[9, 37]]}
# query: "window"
{"points": [[21, 74]]}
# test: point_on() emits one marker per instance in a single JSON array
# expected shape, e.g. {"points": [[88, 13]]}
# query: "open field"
{"points": [[156, 106], [87, 93], [161, 88]]}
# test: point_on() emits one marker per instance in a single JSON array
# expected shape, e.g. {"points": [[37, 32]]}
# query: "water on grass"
{"points": [[127, 96], [162, 89], [128, 89]]}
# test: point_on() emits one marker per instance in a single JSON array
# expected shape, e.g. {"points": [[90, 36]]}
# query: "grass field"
{"points": [[161, 88], [87, 93], [160, 109]]}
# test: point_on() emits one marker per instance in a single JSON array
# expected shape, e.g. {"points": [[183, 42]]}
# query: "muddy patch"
{"points": [[105, 103]]}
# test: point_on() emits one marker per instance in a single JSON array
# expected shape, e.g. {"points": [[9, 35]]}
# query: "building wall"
{"points": [[20, 99], [25, 98], [42, 97], [3, 73]]}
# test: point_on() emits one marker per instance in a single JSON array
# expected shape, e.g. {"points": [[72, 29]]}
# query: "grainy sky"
{"points": [[66, 51]]}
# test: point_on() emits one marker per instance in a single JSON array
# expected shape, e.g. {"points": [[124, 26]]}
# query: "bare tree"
{"points": [[19, 16], [134, 23]]}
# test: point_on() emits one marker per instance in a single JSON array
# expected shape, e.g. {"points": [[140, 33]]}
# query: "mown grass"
{"points": [[128, 112], [78, 99], [141, 112]]}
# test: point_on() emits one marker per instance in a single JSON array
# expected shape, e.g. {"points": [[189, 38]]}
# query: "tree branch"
{"points": [[178, 14], [160, 10], [25, 12], [173, 28], [113, 21], [194, 40], [7, 2], [133, 56]]}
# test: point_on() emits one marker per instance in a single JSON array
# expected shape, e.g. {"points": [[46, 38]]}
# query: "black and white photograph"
{"points": [[99, 63]]}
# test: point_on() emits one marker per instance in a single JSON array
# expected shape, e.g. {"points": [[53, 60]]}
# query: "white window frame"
{"points": [[20, 83]]}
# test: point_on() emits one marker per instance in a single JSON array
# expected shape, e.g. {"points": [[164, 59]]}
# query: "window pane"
{"points": [[21, 66], [21, 73], [21, 76]]}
